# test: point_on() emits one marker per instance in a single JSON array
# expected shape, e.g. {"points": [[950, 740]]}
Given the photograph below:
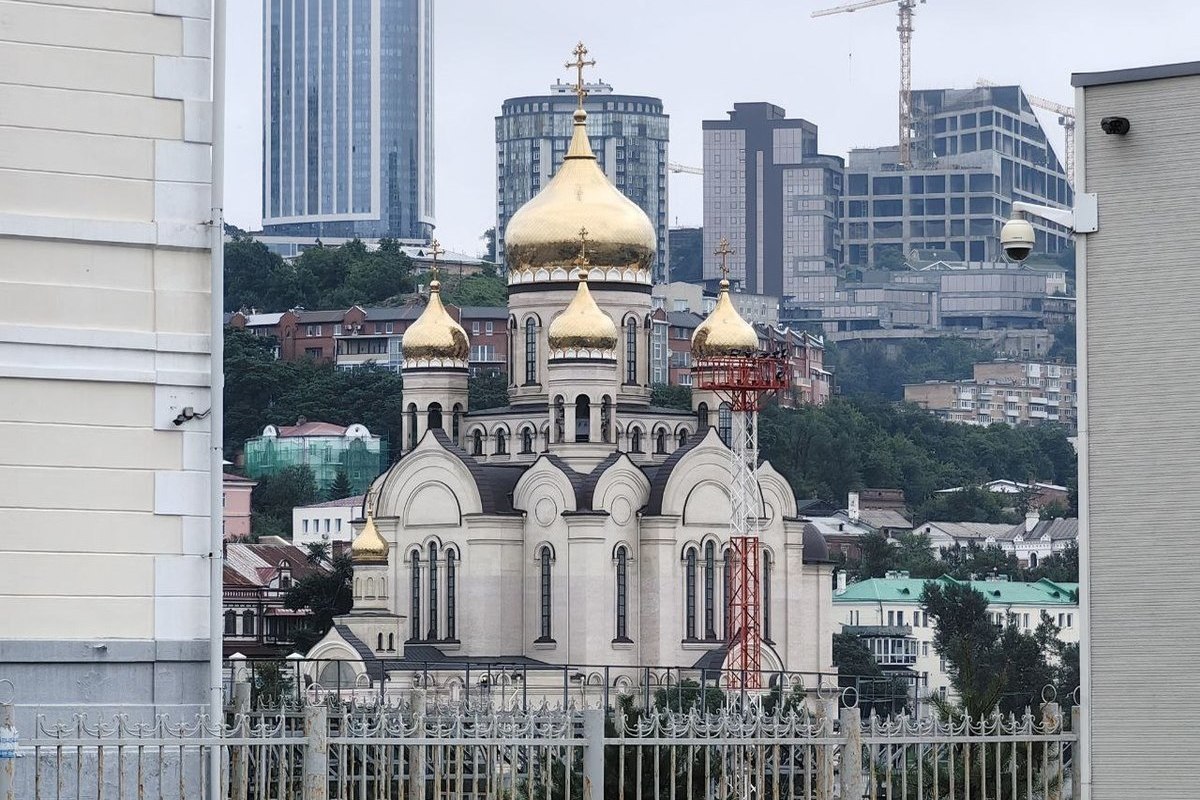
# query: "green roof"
{"points": [[908, 590]]}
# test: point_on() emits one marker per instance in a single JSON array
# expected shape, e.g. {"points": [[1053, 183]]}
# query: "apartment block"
{"points": [[1012, 392]]}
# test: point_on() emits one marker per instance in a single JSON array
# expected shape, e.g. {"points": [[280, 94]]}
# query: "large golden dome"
{"points": [[582, 326], [435, 338], [723, 332], [544, 232], [369, 547]]}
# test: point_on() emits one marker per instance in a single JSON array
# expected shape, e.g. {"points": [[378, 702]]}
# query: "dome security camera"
{"points": [[1017, 238]]}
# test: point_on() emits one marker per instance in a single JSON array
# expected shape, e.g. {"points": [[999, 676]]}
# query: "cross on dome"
{"points": [[435, 250], [724, 251], [581, 260], [578, 64]]}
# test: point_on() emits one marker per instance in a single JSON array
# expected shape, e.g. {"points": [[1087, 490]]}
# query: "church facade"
{"points": [[579, 524]]}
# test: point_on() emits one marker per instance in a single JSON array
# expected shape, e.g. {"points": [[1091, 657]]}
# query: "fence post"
{"points": [[851, 769], [316, 753], [416, 752], [593, 754], [824, 759], [8, 752], [239, 765], [1052, 721], [1077, 753]]}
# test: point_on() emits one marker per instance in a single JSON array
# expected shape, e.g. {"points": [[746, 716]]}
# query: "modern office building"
{"points": [[975, 152], [773, 196], [348, 118], [1138, 279], [629, 135]]}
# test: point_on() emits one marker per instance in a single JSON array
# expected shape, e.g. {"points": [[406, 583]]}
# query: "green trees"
{"points": [[485, 288], [340, 488], [325, 595], [667, 396], [276, 495], [858, 669], [487, 391], [881, 369]]}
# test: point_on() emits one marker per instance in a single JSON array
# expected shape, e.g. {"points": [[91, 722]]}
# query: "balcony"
{"points": [[1038, 400], [1012, 398], [890, 645], [1011, 412], [1038, 413]]}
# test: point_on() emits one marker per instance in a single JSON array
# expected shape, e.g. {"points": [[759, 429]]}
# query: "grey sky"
{"points": [[700, 56]]}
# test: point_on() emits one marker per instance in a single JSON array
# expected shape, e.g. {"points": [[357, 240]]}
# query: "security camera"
{"points": [[1017, 238], [1115, 126]]}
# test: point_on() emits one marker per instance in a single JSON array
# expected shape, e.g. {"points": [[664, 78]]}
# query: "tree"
{"points": [[669, 396], [340, 488], [858, 669], [325, 595], [489, 239], [890, 258], [317, 552], [487, 391], [251, 275], [882, 368], [972, 561], [485, 288], [1058, 567], [276, 495]]}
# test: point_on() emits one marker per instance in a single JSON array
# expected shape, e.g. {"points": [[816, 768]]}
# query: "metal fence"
{"points": [[423, 750]]}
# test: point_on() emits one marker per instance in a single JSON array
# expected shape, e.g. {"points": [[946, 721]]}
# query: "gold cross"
{"points": [[435, 250], [581, 260], [724, 250], [579, 63]]}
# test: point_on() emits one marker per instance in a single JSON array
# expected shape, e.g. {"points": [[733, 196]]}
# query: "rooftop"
{"points": [[999, 592], [356, 500]]}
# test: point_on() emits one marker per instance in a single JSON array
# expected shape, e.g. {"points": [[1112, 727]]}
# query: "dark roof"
{"points": [[684, 319], [356, 500], [585, 499], [495, 482], [397, 312], [1182, 70], [483, 312], [660, 476], [578, 479], [319, 316], [816, 550], [422, 655], [662, 411], [712, 659], [374, 665]]}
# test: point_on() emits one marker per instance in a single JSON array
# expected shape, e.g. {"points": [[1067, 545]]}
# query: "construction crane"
{"points": [[674, 167], [1066, 118], [905, 7]]}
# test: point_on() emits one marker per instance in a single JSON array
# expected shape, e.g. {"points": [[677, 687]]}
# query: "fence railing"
{"points": [[421, 750]]}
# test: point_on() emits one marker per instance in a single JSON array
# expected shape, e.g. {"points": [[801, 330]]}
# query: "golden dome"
{"points": [[723, 332], [545, 231], [435, 335], [582, 326], [369, 547]]}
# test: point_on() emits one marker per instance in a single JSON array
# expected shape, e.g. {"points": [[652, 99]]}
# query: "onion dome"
{"points": [[582, 330], [369, 547], [724, 332], [543, 234], [435, 339]]}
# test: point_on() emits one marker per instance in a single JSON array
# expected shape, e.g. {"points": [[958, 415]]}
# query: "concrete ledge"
{"points": [[124, 651]]}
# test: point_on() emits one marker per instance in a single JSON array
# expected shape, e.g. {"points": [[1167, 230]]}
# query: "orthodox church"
{"points": [[579, 524]]}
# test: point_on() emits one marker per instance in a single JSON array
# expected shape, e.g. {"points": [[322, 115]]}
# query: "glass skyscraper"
{"points": [[629, 137], [348, 118]]}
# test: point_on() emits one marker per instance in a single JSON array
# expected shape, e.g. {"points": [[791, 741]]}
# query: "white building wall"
{"points": [[322, 524], [105, 120]]}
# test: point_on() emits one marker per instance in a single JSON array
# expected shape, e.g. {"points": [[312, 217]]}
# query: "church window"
{"points": [[544, 559], [392, 642], [689, 594], [379, 642], [660, 441], [451, 592], [414, 611], [702, 415], [635, 444], [622, 592], [412, 425], [230, 623], [766, 597], [583, 418], [477, 443], [559, 419], [433, 592], [247, 623], [710, 609], [725, 424], [530, 351], [727, 592], [606, 419], [435, 416], [683, 434], [501, 442], [1032, 560], [454, 422], [631, 338], [527, 440]]}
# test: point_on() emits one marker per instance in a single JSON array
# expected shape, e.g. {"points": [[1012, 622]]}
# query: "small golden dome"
{"points": [[369, 547], [544, 231], [723, 332], [582, 326], [435, 335]]}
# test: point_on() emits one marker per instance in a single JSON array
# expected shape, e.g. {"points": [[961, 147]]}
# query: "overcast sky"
{"points": [[700, 56]]}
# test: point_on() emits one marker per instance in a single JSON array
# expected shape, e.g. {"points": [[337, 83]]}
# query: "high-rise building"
{"points": [[975, 152], [773, 196], [348, 118], [629, 136]]}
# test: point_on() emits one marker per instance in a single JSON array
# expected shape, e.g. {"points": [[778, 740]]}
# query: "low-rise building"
{"points": [[323, 447], [257, 578], [1031, 541], [235, 505], [325, 522], [1034, 495], [886, 612], [869, 511], [1013, 392]]}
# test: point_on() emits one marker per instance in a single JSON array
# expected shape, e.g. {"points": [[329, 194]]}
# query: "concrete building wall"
{"points": [[1141, 269], [105, 131]]}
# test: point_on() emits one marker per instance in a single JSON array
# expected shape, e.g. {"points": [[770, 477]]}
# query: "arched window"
{"points": [[454, 421], [710, 588], [689, 594], [435, 416], [725, 424], [631, 337], [414, 610], [660, 441], [546, 439], [451, 595], [501, 442], [477, 443], [622, 593], [412, 425], [682, 437], [606, 419], [530, 351], [433, 592], [527, 440], [247, 623], [635, 440], [727, 592], [583, 419], [766, 597], [560, 416], [392, 642], [512, 340], [230, 623], [702, 415], [379, 643], [1032, 560], [544, 560]]}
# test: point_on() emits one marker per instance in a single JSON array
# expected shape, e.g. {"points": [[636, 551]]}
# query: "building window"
{"points": [[635, 443], [544, 585], [501, 443], [433, 592], [725, 424], [527, 440], [710, 588], [560, 415], [414, 611], [682, 437], [631, 351], [489, 328], [660, 441], [247, 623], [1032, 560], [702, 415], [766, 597], [689, 594], [412, 425], [583, 419], [435, 416], [477, 443], [924, 648], [606, 419], [230, 623], [530, 351], [622, 593], [451, 592], [454, 421], [727, 592]]}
